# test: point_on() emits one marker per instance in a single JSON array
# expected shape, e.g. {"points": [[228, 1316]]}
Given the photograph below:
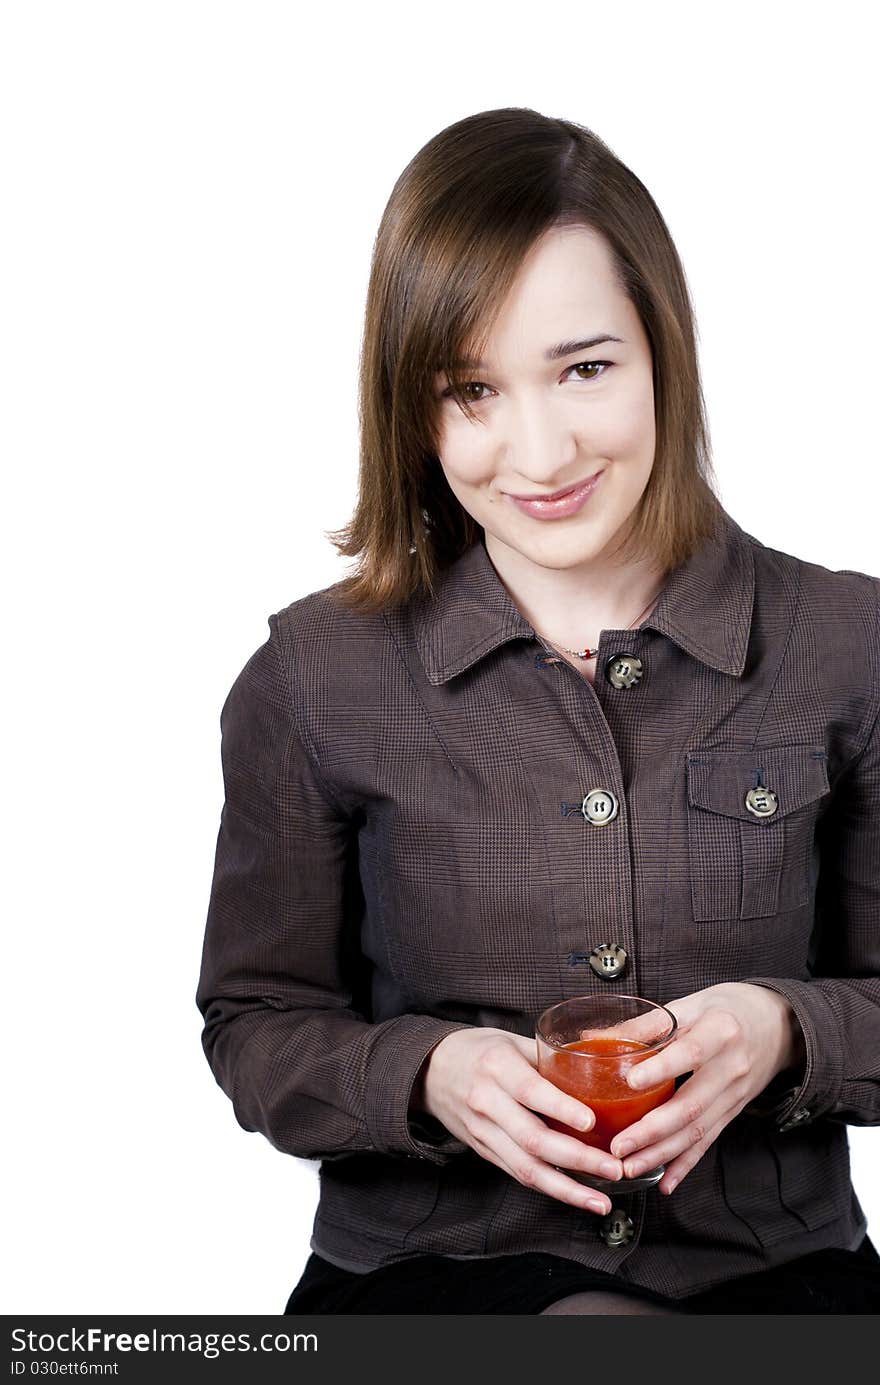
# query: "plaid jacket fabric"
{"points": [[402, 852]]}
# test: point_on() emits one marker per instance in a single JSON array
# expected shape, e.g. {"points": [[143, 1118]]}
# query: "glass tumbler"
{"points": [[586, 1046]]}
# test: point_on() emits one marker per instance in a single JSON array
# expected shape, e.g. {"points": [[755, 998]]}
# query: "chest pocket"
{"points": [[752, 818]]}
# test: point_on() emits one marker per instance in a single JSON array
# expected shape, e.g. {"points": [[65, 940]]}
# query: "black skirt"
{"points": [[827, 1281]]}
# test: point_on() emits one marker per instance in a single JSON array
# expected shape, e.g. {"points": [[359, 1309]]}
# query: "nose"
{"points": [[538, 445]]}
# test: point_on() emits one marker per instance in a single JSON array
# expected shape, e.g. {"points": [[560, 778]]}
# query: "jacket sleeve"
{"points": [[839, 1006], [284, 1039]]}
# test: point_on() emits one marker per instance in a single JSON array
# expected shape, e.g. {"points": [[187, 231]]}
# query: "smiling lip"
{"points": [[564, 503], [557, 495]]}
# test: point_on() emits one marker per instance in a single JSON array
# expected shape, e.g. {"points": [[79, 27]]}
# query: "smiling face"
{"points": [[547, 424]]}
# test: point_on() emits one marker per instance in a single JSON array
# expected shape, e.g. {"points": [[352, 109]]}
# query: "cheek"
{"points": [[465, 458], [630, 431]]}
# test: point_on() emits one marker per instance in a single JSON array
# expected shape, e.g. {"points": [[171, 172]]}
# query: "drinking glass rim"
{"points": [[603, 1057]]}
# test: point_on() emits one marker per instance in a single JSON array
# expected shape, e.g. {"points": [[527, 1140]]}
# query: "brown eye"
{"points": [[473, 385], [469, 385], [592, 365], [597, 369]]}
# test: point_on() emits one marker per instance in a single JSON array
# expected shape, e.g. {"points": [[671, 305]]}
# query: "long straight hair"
{"points": [[460, 220]]}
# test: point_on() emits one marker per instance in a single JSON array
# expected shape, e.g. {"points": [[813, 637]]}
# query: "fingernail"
{"points": [[610, 1170], [625, 1147]]}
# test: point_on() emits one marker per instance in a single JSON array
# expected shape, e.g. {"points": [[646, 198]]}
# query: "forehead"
{"points": [[567, 296]]}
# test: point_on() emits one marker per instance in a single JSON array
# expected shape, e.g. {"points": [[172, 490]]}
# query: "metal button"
{"points": [[599, 806], [623, 670], [617, 1228], [797, 1117], [608, 960], [761, 801]]}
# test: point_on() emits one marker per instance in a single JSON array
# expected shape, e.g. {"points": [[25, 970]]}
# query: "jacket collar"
{"points": [[705, 608]]}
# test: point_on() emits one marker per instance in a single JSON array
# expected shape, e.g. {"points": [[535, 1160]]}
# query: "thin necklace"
{"points": [[591, 653]]}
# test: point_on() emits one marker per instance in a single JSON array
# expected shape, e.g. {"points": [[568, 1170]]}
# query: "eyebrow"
{"points": [[553, 353]]}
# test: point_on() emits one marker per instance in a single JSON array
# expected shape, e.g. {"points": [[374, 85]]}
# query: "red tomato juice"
{"points": [[602, 1085]]}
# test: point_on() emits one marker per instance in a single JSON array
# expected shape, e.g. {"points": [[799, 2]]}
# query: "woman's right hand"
{"points": [[483, 1085]]}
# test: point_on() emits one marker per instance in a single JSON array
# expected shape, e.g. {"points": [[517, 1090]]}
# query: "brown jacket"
{"points": [[405, 850]]}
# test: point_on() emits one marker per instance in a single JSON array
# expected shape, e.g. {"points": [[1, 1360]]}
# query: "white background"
{"points": [[191, 192]]}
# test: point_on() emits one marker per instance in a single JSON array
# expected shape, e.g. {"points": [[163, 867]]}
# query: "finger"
{"points": [[690, 1103], [534, 1136], [644, 1028], [695, 1137], [680, 1167], [687, 1053], [528, 1088], [534, 1172]]}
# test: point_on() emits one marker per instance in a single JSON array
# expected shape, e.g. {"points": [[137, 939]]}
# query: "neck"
{"points": [[570, 606]]}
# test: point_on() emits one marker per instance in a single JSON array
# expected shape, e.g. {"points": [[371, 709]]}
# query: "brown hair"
{"points": [[460, 220]]}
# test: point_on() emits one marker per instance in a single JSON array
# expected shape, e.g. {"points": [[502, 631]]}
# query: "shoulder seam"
{"points": [[300, 726]]}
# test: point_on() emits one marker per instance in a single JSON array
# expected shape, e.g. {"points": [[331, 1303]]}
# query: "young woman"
{"points": [[567, 729]]}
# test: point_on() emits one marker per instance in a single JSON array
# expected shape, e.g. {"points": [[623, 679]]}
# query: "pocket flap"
{"points": [[719, 780]]}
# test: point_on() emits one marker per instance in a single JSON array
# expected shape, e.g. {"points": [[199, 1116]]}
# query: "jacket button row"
{"points": [[599, 806], [617, 1228], [609, 959]]}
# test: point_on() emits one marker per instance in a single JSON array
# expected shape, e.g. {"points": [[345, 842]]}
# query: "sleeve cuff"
{"points": [[785, 1101], [393, 1068]]}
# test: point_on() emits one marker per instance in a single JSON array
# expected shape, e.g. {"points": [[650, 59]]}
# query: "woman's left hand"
{"points": [[734, 1038]]}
